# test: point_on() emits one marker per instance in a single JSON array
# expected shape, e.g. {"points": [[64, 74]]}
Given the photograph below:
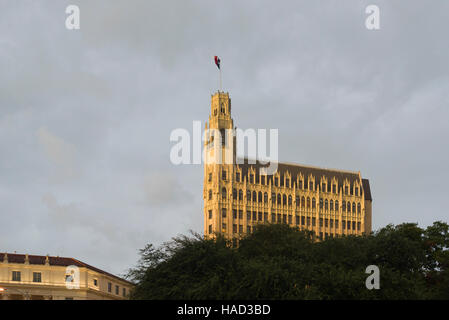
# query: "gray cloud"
{"points": [[85, 116], [61, 153], [164, 189]]}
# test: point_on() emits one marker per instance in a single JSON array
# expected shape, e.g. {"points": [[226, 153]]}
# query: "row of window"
{"points": [[37, 277], [117, 289], [299, 220], [17, 276], [323, 187], [284, 200], [303, 221]]}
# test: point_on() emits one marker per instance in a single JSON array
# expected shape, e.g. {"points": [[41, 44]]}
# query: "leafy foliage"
{"points": [[280, 262]]}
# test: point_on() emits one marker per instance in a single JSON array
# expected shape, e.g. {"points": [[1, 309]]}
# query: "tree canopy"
{"points": [[280, 262]]}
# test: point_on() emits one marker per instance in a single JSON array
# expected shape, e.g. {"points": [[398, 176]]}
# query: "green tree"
{"points": [[280, 262]]}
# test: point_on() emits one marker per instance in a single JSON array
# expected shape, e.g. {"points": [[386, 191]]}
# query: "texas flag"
{"points": [[217, 61]]}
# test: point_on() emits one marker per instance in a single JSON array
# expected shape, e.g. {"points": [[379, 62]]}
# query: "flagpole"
{"points": [[217, 63]]}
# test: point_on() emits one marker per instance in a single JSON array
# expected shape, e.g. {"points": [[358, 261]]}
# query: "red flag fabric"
{"points": [[217, 61]]}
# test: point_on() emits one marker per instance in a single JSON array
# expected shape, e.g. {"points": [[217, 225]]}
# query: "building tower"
{"points": [[219, 164]]}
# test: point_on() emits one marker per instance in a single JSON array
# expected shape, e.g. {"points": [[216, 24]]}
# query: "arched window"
{"points": [[248, 196], [240, 194], [289, 200], [331, 205], [254, 196], [308, 203], [265, 197], [353, 207], [210, 194], [223, 193], [313, 203], [279, 198], [273, 198], [336, 205], [260, 196], [326, 203], [359, 208], [349, 206], [343, 206], [303, 202], [297, 201], [284, 199], [234, 194], [321, 203]]}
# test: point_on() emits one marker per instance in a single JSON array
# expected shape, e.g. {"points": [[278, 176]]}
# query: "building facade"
{"points": [[238, 196], [32, 277]]}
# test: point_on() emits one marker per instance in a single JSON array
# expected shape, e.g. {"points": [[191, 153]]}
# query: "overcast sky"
{"points": [[86, 116]]}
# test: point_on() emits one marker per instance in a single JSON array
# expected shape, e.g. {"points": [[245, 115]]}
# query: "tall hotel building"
{"points": [[237, 197]]}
